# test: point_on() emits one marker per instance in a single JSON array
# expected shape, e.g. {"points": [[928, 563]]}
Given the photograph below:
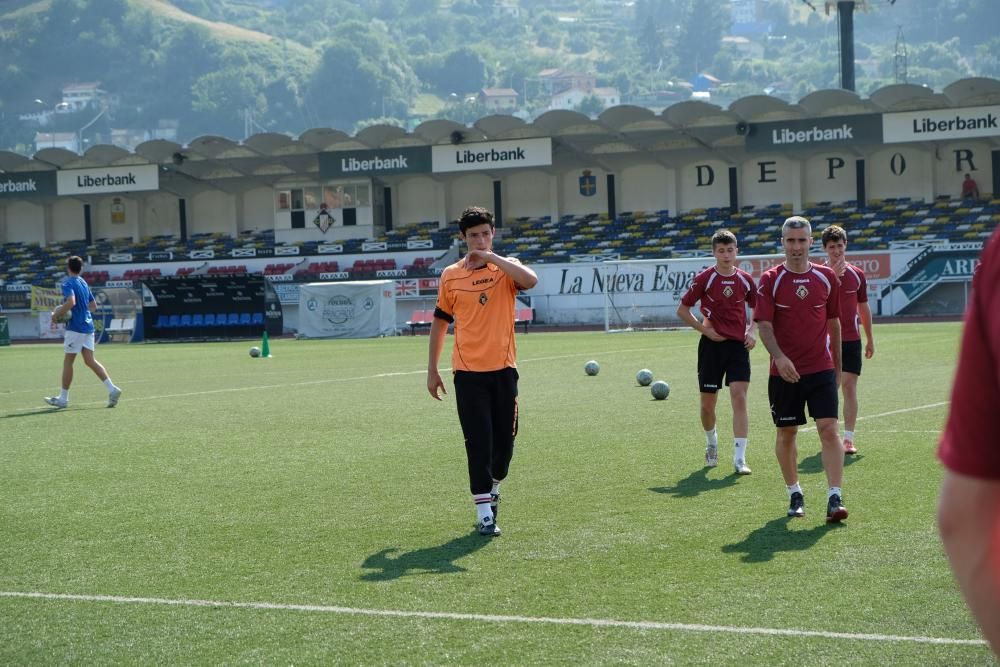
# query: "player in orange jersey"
{"points": [[477, 294]]}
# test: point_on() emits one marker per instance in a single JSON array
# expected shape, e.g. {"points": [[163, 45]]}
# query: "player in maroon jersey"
{"points": [[969, 511], [798, 311], [724, 291], [854, 310]]}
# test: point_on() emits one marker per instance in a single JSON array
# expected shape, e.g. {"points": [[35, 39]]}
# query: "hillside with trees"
{"points": [[233, 67]]}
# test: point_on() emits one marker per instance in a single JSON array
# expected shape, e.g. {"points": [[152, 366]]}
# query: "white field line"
{"points": [[305, 383], [928, 406], [493, 618]]}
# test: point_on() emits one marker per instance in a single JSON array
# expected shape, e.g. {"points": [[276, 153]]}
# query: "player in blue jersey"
{"points": [[79, 337]]}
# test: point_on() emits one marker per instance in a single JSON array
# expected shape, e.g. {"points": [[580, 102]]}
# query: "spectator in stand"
{"points": [[970, 189]]}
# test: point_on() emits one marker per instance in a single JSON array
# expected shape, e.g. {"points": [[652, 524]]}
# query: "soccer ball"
{"points": [[592, 367], [644, 377], [254, 352], [660, 390]]}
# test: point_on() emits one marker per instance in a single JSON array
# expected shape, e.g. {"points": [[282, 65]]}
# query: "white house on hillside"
{"points": [[571, 98], [80, 95], [68, 140], [498, 99]]}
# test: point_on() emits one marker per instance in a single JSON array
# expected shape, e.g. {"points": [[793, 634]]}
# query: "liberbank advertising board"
{"points": [[815, 132], [108, 179], [942, 124], [33, 184], [490, 155], [380, 162]]}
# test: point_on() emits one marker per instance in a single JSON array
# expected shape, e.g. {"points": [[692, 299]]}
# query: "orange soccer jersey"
{"points": [[481, 304]]}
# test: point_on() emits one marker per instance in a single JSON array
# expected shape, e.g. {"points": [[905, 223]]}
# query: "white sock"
{"points": [[483, 510], [496, 488], [109, 384], [794, 488], [711, 438], [64, 394], [849, 435], [833, 490], [740, 449]]}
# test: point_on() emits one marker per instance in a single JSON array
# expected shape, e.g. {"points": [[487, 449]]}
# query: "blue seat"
{"points": [[174, 321], [161, 322], [245, 319], [197, 320], [233, 320], [220, 320], [258, 319], [185, 320], [209, 320]]}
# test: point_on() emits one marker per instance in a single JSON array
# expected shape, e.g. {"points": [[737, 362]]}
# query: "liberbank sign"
{"points": [[815, 132], [380, 162], [489, 155], [27, 185], [939, 124], [108, 179]]}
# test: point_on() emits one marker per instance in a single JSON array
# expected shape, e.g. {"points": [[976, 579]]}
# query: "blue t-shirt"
{"points": [[81, 320]]}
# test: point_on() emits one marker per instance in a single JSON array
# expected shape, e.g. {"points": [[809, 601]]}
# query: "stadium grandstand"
{"points": [[568, 191]]}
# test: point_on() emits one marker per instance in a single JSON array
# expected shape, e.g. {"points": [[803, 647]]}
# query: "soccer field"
{"points": [[313, 508]]}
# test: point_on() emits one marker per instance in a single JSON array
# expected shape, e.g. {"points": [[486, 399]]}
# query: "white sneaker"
{"points": [[55, 402], [711, 456], [741, 467], [113, 397]]}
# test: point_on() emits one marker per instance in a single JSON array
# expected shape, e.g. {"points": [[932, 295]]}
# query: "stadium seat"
{"points": [[185, 320], [174, 322], [258, 319], [233, 320], [220, 320], [198, 320], [209, 320], [245, 319], [161, 322]]}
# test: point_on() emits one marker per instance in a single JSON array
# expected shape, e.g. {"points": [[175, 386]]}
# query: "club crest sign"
{"points": [[588, 184]]}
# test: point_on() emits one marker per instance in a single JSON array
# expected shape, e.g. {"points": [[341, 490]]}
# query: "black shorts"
{"points": [[729, 358], [789, 399], [850, 359], [487, 410]]}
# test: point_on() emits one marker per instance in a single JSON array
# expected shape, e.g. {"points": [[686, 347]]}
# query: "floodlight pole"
{"points": [[845, 15]]}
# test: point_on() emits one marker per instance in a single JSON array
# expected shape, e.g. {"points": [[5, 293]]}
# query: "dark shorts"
{"points": [[487, 410], [850, 360], [727, 358], [789, 399]]}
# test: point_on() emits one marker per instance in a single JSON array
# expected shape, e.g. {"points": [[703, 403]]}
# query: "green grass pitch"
{"points": [[317, 504]]}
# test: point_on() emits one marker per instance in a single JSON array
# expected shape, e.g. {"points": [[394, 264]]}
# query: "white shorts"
{"points": [[74, 342]]}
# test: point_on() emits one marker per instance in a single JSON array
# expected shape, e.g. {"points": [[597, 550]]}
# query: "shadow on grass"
{"points": [[38, 412], [431, 560], [695, 483], [814, 464], [774, 536]]}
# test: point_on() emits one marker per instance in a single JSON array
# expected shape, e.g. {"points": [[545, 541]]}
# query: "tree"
{"points": [[591, 105], [225, 96], [701, 35]]}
